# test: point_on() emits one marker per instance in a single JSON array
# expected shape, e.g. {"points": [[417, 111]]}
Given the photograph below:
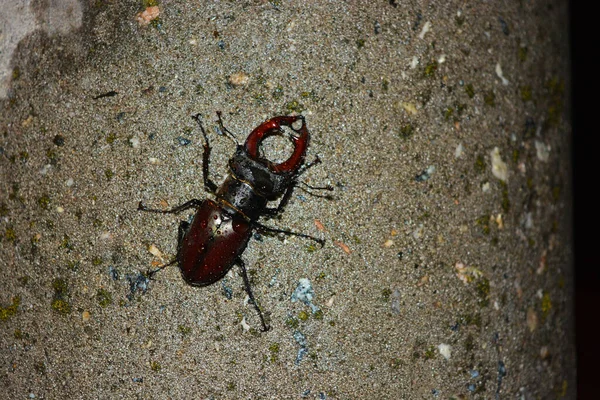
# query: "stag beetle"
{"points": [[214, 241]]}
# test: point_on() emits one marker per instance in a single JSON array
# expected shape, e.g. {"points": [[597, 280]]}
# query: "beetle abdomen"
{"points": [[211, 245]]}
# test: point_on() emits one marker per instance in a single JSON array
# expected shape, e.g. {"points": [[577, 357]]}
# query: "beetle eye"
{"points": [[239, 226]]}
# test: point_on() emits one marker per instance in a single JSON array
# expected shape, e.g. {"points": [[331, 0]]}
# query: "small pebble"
{"points": [[239, 79], [459, 151], [499, 167], [135, 142], [154, 251], [445, 350], [148, 15], [425, 29], [501, 75]]}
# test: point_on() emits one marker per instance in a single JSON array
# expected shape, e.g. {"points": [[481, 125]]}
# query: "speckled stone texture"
{"points": [[443, 126]]}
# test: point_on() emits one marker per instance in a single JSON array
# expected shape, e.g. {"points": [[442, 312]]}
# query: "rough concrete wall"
{"points": [[443, 127]]}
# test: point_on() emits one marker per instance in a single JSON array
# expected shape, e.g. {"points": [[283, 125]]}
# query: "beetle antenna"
{"points": [[287, 232], [308, 165], [322, 196], [326, 187], [226, 131]]}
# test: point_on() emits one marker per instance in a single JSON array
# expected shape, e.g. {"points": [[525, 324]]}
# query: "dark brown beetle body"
{"points": [[213, 242]]}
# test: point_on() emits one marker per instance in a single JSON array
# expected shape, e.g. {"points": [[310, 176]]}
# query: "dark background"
{"points": [[586, 167]]}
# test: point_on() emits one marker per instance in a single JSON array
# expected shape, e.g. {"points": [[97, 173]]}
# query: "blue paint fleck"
{"points": [[114, 273], [305, 293], [501, 375], [227, 291], [301, 353], [425, 174], [301, 340], [274, 278], [183, 141], [137, 283]]}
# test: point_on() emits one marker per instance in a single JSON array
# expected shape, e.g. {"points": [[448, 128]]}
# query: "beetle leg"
{"points": [[183, 228], [242, 265], [272, 212], [209, 185], [287, 232], [150, 274], [194, 203]]}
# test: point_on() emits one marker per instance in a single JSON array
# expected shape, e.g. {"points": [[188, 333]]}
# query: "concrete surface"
{"points": [[443, 126]]}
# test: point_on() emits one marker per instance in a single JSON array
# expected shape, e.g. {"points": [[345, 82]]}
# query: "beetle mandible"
{"points": [[214, 241]]}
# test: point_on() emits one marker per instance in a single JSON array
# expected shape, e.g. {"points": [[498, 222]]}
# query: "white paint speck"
{"points": [[330, 302], [414, 62], [409, 108], [528, 220], [244, 324], [305, 293], [442, 59], [459, 151], [499, 167], [418, 233], [135, 142], [445, 350], [485, 187], [45, 169], [542, 150], [153, 160], [425, 29], [501, 75], [69, 182]]}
